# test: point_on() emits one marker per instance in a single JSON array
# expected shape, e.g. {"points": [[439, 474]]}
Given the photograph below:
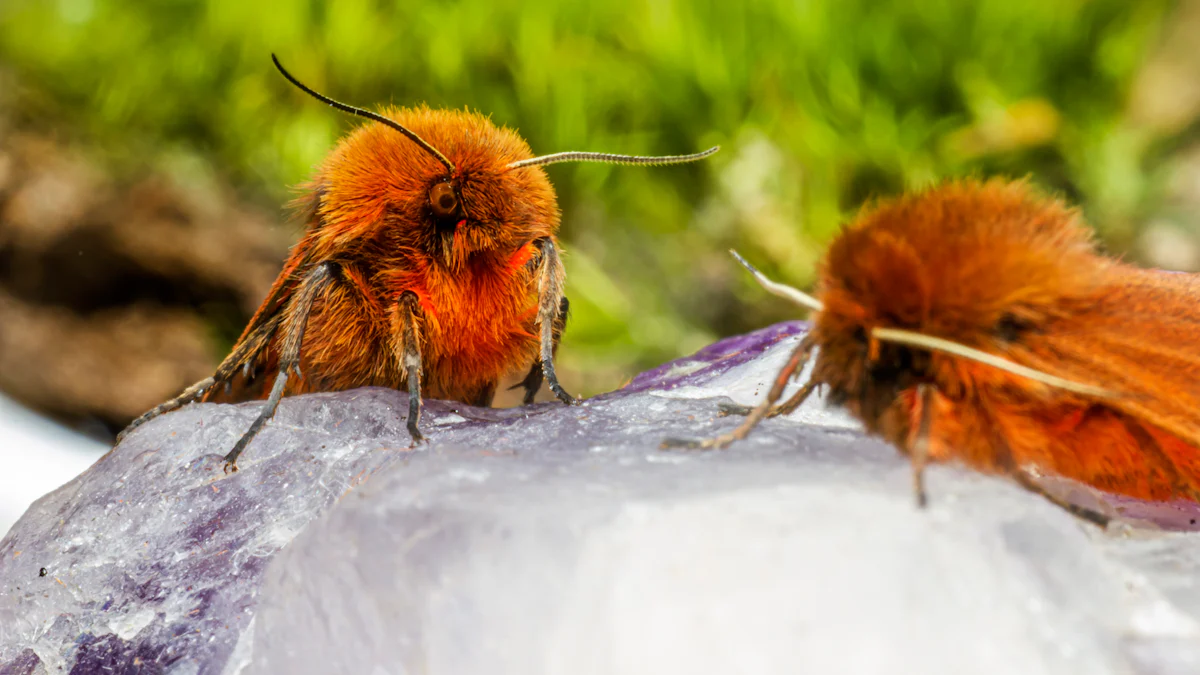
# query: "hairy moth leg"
{"points": [[242, 356], [918, 452], [406, 343], [550, 308], [795, 363], [782, 410], [483, 399], [296, 319], [789, 406], [533, 380], [1083, 513], [191, 393], [1008, 466]]}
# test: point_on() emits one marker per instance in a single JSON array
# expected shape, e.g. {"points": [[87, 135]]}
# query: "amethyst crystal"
{"points": [[552, 539]]}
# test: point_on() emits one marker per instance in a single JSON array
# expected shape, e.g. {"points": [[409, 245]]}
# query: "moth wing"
{"points": [[236, 382], [1141, 340], [307, 207]]}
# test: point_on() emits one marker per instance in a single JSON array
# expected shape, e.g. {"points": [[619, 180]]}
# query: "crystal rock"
{"points": [[555, 539]]}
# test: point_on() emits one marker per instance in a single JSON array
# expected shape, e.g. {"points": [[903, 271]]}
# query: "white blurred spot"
{"points": [[37, 457]]}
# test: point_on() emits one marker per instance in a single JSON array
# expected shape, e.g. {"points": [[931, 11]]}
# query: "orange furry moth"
{"points": [[429, 262], [977, 323]]}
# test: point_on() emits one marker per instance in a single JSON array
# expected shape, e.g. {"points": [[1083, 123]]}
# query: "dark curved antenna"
{"points": [[605, 158], [367, 114]]}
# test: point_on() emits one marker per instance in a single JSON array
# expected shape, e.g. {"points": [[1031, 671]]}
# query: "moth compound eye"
{"points": [[443, 200], [1010, 328]]}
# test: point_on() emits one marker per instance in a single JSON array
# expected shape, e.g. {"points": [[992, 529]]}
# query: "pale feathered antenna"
{"points": [[935, 344], [606, 158]]}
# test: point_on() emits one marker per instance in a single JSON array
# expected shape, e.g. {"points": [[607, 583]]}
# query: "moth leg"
{"points": [[796, 362], [296, 319], [483, 399], [1083, 513], [918, 453], [1008, 464], [245, 352], [407, 346], [782, 410], [242, 355], [533, 380], [789, 406], [191, 393], [550, 296]]}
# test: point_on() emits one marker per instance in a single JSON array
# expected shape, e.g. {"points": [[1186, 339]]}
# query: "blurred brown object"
{"points": [[113, 298]]}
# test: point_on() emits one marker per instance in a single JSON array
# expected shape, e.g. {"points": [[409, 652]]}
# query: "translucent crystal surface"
{"points": [[554, 539]]}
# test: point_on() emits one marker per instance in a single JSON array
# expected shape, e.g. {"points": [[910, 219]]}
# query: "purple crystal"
{"points": [[549, 539]]}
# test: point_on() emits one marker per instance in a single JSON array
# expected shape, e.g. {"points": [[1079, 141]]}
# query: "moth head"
{"points": [[963, 273], [987, 265], [452, 182]]}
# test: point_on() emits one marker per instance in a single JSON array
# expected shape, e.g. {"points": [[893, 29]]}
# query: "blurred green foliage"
{"points": [[818, 105]]}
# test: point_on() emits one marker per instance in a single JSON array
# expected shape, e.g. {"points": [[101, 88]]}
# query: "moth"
{"points": [[429, 263], [977, 323]]}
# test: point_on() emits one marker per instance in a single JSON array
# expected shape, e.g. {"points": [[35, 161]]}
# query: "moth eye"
{"points": [[1010, 329], [443, 200]]}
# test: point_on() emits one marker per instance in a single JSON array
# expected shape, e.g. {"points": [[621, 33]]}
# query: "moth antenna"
{"points": [[782, 290], [905, 337], [605, 158], [360, 112]]}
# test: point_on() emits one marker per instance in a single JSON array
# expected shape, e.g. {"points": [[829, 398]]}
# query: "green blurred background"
{"points": [[818, 105]]}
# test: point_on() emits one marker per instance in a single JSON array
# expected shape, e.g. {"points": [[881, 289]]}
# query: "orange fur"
{"points": [[429, 263], [366, 208], [995, 267]]}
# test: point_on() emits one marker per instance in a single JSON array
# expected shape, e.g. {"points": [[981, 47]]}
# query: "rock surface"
{"points": [[551, 539]]}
